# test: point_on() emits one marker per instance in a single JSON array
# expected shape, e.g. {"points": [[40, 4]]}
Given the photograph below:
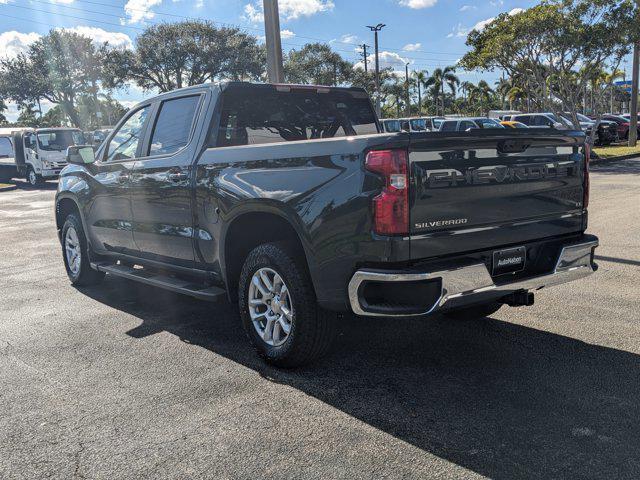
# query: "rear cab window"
{"points": [[255, 116], [6, 149]]}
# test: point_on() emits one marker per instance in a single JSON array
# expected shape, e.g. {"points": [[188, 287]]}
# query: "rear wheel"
{"points": [[74, 253], [33, 178], [478, 311], [279, 310]]}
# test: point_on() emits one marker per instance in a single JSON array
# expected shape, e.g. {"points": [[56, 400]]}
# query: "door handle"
{"points": [[177, 176]]}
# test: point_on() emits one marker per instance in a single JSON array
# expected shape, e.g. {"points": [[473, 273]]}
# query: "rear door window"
{"points": [[262, 116], [448, 126], [173, 125]]}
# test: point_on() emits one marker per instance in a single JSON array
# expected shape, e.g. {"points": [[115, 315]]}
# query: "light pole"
{"points": [[406, 81], [375, 29], [275, 71], [635, 74]]}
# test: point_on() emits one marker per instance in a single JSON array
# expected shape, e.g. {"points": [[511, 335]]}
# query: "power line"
{"points": [[102, 22], [227, 24]]}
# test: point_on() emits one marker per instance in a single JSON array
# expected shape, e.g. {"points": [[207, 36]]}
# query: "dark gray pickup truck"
{"points": [[289, 200]]}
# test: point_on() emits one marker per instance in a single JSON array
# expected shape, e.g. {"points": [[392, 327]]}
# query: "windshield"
{"points": [[488, 123], [437, 122], [419, 124], [392, 126], [59, 140]]}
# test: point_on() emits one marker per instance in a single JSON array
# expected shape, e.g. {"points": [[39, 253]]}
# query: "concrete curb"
{"points": [[7, 188], [613, 159]]}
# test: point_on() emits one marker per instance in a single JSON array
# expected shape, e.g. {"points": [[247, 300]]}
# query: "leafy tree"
{"points": [[555, 46], [21, 81], [3, 108], [176, 55], [502, 88], [60, 67], [317, 64], [28, 117], [55, 117]]}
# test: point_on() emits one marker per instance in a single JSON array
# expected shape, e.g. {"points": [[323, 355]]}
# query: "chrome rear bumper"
{"points": [[473, 283]]}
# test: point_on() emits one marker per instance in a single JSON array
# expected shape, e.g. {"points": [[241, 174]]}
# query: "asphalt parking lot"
{"points": [[126, 381]]}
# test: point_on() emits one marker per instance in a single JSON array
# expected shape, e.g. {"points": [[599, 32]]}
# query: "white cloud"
{"points": [[289, 9], [349, 38], [387, 60], [412, 47], [199, 3], [140, 10], [285, 34], [12, 43], [481, 25], [465, 8], [459, 31], [418, 4], [496, 3], [98, 35], [4, 2]]}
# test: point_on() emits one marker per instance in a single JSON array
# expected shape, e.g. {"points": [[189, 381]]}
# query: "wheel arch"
{"points": [[266, 224]]}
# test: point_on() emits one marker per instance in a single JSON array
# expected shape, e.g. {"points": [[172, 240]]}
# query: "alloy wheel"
{"points": [[72, 251], [270, 307]]}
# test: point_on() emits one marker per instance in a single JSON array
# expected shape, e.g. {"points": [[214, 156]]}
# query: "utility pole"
{"points": [[375, 30], [633, 127], [406, 84], [275, 70], [365, 57]]}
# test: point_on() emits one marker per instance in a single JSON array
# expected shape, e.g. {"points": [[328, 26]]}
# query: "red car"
{"points": [[623, 125]]}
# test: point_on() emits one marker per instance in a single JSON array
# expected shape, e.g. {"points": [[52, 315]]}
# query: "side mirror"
{"points": [[81, 154]]}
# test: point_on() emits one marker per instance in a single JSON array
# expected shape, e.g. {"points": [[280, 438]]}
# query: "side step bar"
{"points": [[201, 292]]}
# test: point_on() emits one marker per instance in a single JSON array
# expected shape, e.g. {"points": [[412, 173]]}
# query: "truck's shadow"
{"points": [[502, 400]]}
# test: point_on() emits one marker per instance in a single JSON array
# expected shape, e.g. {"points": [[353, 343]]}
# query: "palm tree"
{"points": [[502, 87], [483, 94], [516, 96], [438, 79], [420, 81]]}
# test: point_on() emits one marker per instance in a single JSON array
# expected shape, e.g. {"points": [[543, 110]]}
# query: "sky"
{"points": [[426, 33]]}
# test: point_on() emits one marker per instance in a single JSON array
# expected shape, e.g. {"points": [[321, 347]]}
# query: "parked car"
{"points": [[391, 125], [288, 200], [96, 137], [622, 123], [501, 114], [40, 154], [511, 124], [607, 130], [468, 124]]}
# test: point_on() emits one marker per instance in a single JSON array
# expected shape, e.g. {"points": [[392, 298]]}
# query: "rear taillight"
{"points": [[587, 158], [391, 207]]}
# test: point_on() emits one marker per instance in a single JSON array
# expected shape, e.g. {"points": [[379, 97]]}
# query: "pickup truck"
{"points": [[289, 201]]}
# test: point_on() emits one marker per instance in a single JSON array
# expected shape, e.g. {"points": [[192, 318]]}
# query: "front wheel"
{"points": [[478, 311], [279, 310], [74, 253], [33, 178]]}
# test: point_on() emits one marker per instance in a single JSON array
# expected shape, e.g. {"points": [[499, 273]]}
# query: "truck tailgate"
{"points": [[488, 189]]}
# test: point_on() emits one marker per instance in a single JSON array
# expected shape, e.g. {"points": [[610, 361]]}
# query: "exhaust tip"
{"points": [[519, 299]]}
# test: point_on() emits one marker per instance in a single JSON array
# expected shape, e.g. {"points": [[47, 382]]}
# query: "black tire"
{"points": [[84, 275], [33, 179], [312, 330], [477, 311]]}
